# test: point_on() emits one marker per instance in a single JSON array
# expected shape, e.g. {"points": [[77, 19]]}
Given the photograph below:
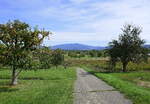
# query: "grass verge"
{"points": [[137, 94], [52, 86]]}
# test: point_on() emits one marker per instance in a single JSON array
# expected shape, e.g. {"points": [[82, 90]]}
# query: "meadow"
{"points": [[45, 86], [55, 85], [102, 64]]}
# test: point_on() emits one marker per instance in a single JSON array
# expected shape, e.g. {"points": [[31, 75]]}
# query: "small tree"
{"points": [[93, 53], [44, 55], [57, 57], [18, 40], [99, 53], [72, 54], [81, 54], [129, 47], [2, 51]]}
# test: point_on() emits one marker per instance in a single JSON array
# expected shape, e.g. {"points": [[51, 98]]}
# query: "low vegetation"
{"points": [[124, 82], [102, 64], [49, 86]]}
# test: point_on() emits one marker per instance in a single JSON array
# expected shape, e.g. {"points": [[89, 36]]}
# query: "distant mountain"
{"points": [[77, 46], [147, 46]]}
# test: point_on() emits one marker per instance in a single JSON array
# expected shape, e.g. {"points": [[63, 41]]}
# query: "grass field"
{"points": [[127, 83], [55, 86], [102, 64], [52, 86]]}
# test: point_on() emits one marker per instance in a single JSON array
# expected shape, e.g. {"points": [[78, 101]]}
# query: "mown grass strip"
{"points": [[54, 87], [137, 94]]}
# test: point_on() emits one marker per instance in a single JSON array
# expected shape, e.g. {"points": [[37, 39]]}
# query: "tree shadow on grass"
{"points": [[4, 77], [4, 83], [7, 89], [39, 78], [25, 78], [33, 78], [93, 72]]}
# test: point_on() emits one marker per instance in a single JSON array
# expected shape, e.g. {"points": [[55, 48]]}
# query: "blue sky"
{"points": [[92, 22]]}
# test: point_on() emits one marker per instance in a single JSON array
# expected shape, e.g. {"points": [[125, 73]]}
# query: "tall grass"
{"points": [[102, 64]]}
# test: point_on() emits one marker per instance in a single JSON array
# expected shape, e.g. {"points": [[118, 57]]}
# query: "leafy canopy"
{"points": [[18, 39], [57, 57], [129, 46]]}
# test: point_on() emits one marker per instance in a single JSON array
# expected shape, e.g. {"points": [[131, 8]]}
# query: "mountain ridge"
{"points": [[77, 46]]}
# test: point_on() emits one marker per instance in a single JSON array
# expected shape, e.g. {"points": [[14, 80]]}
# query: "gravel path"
{"points": [[91, 90]]}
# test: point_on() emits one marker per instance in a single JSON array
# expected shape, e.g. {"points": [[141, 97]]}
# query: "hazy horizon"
{"points": [[87, 44], [79, 44]]}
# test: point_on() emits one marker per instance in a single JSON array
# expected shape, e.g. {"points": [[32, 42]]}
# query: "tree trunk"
{"points": [[14, 77], [124, 66]]}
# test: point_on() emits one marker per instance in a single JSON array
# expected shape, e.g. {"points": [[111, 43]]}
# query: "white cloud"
{"points": [[78, 1], [90, 20], [98, 21], [78, 37]]}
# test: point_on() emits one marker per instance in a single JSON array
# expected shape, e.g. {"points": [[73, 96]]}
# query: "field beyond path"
{"points": [[91, 90]]}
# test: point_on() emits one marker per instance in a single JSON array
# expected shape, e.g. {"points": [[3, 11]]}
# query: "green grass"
{"points": [[138, 94], [133, 76], [52, 86], [102, 64]]}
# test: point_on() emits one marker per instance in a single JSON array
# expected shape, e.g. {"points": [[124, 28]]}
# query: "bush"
{"points": [[57, 57]]}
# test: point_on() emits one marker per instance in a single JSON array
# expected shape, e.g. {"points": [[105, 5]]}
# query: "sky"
{"points": [[91, 22]]}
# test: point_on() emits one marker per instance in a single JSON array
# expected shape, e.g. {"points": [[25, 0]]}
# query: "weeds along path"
{"points": [[91, 90]]}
